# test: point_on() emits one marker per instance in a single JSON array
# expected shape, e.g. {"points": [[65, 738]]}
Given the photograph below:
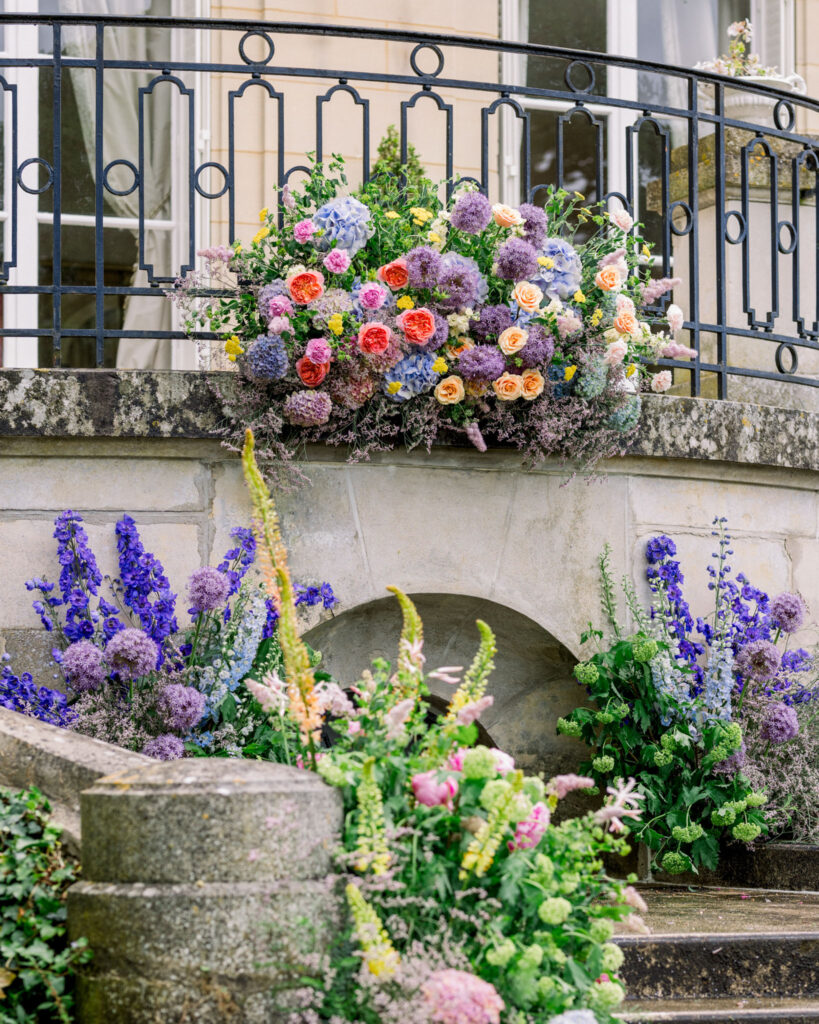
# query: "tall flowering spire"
{"points": [[380, 958], [410, 647], [304, 701], [371, 842], [473, 686]]}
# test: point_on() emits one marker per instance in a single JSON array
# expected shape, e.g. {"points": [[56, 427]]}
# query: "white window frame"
{"points": [[21, 40]]}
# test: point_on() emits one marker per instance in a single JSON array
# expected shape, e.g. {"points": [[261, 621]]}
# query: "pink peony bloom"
{"points": [[304, 230], [661, 381], [455, 761], [280, 305], [529, 832], [431, 793], [318, 350], [623, 220], [372, 295], [470, 713], [336, 261], [562, 785], [458, 997], [615, 353], [675, 317], [277, 324]]}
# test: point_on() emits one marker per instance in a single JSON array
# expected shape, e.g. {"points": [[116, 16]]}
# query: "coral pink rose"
{"points": [[626, 323], [374, 338], [533, 384], [508, 387], [530, 832], [418, 325], [528, 296], [311, 374], [431, 793], [506, 216], [394, 275], [306, 286], [512, 340], [615, 353], [450, 390], [608, 279]]}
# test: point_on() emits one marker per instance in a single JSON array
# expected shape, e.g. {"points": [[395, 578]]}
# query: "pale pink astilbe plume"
{"points": [[470, 713], [623, 802], [653, 290], [473, 432], [396, 718], [458, 997], [270, 694], [333, 700], [561, 785], [632, 898]]}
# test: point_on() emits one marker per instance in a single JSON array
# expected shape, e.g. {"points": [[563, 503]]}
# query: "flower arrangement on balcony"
{"points": [[367, 318], [739, 62], [132, 675], [718, 725]]}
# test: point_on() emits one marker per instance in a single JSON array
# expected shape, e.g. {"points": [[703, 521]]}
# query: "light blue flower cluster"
{"points": [[415, 375], [230, 667], [626, 416], [343, 221], [718, 683], [670, 681], [562, 279]]}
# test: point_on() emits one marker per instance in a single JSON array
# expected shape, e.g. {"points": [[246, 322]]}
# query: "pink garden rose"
{"points": [[336, 261], [318, 350], [431, 793], [615, 353], [372, 295], [661, 381], [675, 317], [623, 220], [277, 324], [279, 305], [529, 832], [304, 230]]}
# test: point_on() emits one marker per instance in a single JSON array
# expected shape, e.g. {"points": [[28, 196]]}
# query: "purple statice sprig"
{"points": [[143, 585]]}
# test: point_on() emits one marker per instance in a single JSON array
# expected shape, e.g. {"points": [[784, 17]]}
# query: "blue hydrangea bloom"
{"points": [[345, 223], [415, 375], [266, 359], [625, 418], [563, 279]]}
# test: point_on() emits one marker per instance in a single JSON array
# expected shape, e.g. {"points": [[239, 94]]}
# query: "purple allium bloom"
{"points": [[208, 589], [563, 279], [266, 358], [415, 375], [492, 321], [731, 764], [423, 264], [344, 221], [539, 349], [308, 408], [461, 281], [441, 332], [517, 260], [165, 748], [534, 224], [83, 665], [780, 724], [180, 707], [481, 363], [758, 660], [132, 653], [788, 612], [471, 213]]}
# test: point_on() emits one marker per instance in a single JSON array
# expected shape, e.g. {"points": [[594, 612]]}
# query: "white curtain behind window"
{"points": [[120, 126]]}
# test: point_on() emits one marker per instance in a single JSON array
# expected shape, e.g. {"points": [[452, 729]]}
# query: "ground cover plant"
{"points": [[706, 713], [37, 963], [133, 675], [389, 315], [465, 902]]}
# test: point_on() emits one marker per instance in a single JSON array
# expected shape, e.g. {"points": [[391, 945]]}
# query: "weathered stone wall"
{"points": [[470, 534]]}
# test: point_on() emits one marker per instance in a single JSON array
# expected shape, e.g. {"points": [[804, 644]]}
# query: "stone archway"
{"points": [[532, 683]]}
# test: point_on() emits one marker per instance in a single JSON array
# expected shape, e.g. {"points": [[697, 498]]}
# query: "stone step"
{"points": [[724, 1011], [769, 866], [724, 944]]}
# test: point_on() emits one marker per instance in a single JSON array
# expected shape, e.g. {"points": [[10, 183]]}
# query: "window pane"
{"points": [[579, 26], [580, 141]]}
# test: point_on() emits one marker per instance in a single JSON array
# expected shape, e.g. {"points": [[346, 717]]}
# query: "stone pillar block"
{"points": [[199, 878]]}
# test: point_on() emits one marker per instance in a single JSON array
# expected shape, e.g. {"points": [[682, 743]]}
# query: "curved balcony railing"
{"points": [[129, 143]]}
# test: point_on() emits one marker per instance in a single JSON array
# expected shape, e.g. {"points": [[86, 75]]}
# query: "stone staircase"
{"points": [[719, 954]]}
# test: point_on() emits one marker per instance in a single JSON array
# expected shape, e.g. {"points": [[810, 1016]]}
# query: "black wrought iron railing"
{"points": [[128, 143]]}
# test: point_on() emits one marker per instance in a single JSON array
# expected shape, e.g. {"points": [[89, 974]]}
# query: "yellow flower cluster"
{"points": [[335, 323], [569, 372], [393, 387], [480, 853], [392, 215], [405, 302], [579, 296], [379, 956], [371, 841], [440, 365], [596, 317], [263, 214], [420, 216], [546, 261], [261, 234], [233, 347]]}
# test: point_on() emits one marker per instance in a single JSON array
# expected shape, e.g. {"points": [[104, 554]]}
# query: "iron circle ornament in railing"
{"points": [[742, 226], [790, 248], [787, 106], [568, 76], [414, 60], [258, 34], [120, 191], [791, 350], [41, 163], [225, 180]]}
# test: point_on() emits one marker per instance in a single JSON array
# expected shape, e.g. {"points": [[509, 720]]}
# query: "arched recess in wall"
{"points": [[532, 683]]}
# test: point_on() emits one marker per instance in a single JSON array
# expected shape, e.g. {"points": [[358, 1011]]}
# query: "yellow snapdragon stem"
{"points": [[379, 955], [371, 840], [480, 853], [474, 682]]}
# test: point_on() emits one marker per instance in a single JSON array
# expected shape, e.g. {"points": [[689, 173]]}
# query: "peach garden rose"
{"points": [[528, 296], [450, 390], [508, 387], [512, 340], [533, 384]]}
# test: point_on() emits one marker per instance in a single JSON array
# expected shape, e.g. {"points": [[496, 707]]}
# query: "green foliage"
{"points": [[389, 160], [37, 963]]}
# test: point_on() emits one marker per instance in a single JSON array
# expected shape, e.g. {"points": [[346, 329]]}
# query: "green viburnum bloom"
{"points": [[494, 791], [644, 648], [733, 736], [586, 673], [756, 799], [675, 863], [500, 955], [331, 773], [534, 788], [745, 831], [612, 958], [545, 987], [687, 833], [601, 930], [479, 763], [603, 764], [620, 710], [739, 805], [604, 717], [521, 808], [667, 742], [569, 882], [568, 728], [725, 815], [545, 868], [532, 956], [605, 995], [554, 910], [663, 758]]}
